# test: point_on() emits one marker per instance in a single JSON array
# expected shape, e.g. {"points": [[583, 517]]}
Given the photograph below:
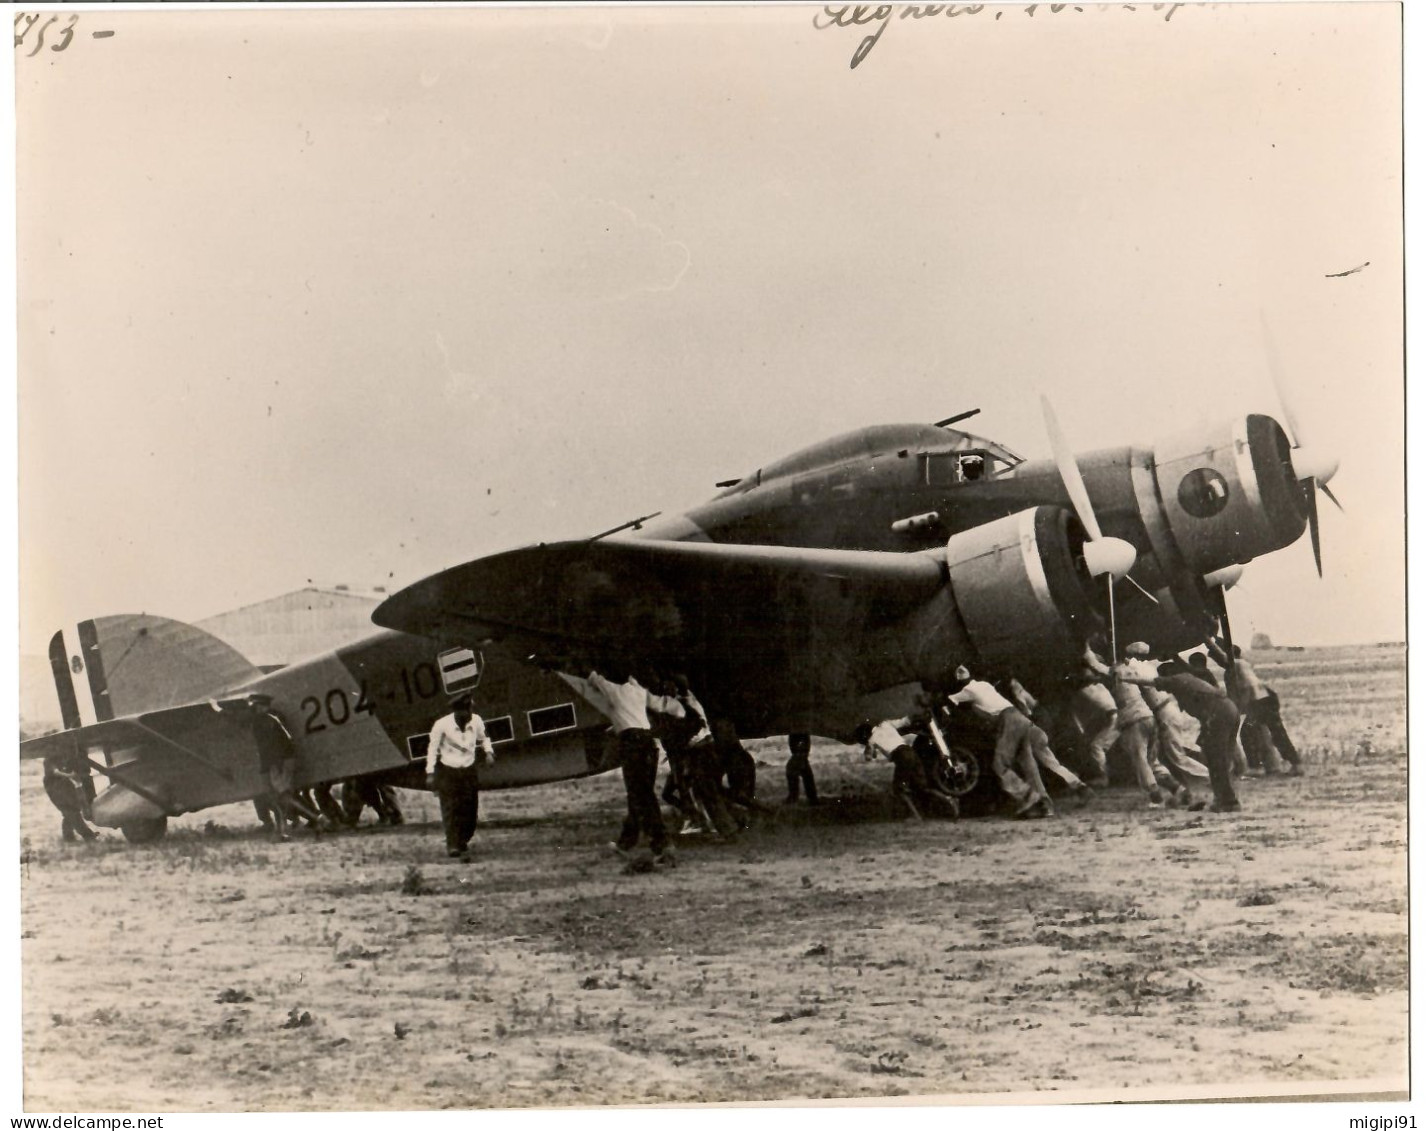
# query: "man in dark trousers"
{"points": [[451, 770], [277, 760], [798, 770], [1257, 701], [1219, 721], [360, 793], [623, 700], [63, 788]]}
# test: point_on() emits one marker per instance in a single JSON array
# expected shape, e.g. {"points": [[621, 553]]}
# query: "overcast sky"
{"points": [[354, 296]]}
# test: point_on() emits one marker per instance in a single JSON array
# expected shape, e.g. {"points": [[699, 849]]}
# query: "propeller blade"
{"points": [[1310, 497], [1325, 488], [1281, 387], [1141, 589], [1070, 473], [1310, 462]]}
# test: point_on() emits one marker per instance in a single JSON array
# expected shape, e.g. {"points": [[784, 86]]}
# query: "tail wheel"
{"points": [[959, 773], [144, 830]]}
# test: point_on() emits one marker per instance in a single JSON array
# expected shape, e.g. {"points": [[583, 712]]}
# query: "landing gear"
{"points": [[144, 830], [959, 772]]}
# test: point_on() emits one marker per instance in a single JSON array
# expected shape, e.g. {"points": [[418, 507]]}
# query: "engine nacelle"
{"points": [[1020, 593]]}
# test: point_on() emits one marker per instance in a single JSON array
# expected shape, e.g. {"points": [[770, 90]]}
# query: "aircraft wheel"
{"points": [[145, 830], [959, 775]]}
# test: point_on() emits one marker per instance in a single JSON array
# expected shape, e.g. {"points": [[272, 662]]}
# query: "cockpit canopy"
{"points": [[947, 456]]}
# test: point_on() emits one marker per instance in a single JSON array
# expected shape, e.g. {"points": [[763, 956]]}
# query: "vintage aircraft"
{"points": [[834, 584], [158, 708], [828, 587]]}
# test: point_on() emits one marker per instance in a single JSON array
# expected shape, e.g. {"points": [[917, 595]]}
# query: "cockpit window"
{"points": [[943, 469]]}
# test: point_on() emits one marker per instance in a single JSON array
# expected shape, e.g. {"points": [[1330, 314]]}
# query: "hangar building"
{"points": [[277, 631]]}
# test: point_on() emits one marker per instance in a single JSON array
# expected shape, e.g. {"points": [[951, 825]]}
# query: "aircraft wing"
{"points": [[788, 626], [637, 595]]}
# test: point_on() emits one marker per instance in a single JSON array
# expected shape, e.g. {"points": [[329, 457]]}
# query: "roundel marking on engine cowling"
{"points": [[1203, 492]]}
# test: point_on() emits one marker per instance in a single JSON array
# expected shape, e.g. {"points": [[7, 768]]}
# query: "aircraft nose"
{"points": [[1277, 479], [1228, 491]]}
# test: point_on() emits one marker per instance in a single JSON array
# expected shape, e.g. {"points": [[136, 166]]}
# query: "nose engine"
{"points": [[1229, 492]]}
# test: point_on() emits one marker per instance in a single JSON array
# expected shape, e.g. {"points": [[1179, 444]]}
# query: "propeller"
{"points": [[1313, 465], [1104, 555]]}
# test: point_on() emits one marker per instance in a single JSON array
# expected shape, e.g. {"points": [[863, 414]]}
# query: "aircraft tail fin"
{"points": [[110, 667]]}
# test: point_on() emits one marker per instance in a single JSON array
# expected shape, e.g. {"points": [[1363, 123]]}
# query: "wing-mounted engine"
{"points": [[1017, 598]]}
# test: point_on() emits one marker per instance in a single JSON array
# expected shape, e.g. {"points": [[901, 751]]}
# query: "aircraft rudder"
{"points": [[114, 666]]}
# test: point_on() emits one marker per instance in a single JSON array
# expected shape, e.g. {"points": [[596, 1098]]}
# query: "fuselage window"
{"points": [[549, 719]]}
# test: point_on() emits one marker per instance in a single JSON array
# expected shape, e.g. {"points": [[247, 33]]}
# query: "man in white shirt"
{"points": [[703, 763], [451, 770], [625, 702], [910, 781], [1133, 716], [1013, 745], [1041, 743], [1168, 747], [1094, 709]]}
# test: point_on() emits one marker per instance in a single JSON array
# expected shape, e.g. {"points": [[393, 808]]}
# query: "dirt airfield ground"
{"points": [[837, 952]]}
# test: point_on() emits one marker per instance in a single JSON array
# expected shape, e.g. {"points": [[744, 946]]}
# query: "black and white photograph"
{"points": [[590, 557]]}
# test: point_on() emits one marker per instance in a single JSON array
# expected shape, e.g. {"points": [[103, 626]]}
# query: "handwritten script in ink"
{"points": [[881, 16], [34, 31]]}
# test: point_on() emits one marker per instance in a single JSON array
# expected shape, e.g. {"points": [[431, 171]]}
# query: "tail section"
{"points": [[110, 667]]}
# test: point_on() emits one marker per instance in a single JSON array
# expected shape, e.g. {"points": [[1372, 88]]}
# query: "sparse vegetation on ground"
{"points": [[838, 951]]}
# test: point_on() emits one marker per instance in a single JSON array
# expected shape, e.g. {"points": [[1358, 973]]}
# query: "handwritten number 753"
{"points": [[66, 32]]}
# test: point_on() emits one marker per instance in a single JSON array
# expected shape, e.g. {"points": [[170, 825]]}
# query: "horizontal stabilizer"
{"points": [[171, 758], [190, 732]]}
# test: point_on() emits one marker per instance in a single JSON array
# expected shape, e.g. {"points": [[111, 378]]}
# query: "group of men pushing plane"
{"points": [[1171, 722]]}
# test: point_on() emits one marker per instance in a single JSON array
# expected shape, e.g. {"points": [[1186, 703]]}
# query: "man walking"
{"points": [[451, 771]]}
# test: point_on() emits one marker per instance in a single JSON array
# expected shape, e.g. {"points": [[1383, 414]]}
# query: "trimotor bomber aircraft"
{"points": [[836, 584], [831, 586]]}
